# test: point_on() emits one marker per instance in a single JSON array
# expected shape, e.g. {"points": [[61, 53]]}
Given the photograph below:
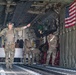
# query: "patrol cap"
{"points": [[10, 23]]}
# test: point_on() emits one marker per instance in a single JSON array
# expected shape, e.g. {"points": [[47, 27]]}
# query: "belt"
{"points": [[29, 47], [10, 43]]}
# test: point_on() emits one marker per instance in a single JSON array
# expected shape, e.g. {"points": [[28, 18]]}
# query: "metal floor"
{"points": [[16, 70], [35, 70], [19, 70]]}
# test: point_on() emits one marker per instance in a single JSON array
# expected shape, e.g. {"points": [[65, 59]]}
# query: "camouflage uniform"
{"points": [[35, 54], [9, 45], [27, 50], [52, 40]]}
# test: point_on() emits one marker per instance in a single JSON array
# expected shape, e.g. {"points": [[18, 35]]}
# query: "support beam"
{"points": [[7, 10], [38, 5], [35, 12], [35, 0], [6, 15], [3, 3]]}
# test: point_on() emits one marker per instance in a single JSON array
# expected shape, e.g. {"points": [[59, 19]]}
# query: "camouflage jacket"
{"points": [[5, 31], [28, 44], [52, 42]]}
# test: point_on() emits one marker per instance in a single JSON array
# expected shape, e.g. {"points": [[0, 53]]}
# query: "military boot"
{"points": [[7, 66], [10, 66]]}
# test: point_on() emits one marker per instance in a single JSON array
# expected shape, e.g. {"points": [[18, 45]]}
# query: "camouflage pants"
{"points": [[9, 51], [27, 51], [35, 55], [49, 52]]}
